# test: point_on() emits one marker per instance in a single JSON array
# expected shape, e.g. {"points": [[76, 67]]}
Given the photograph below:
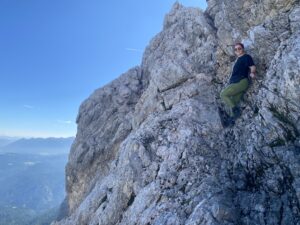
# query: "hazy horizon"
{"points": [[30, 137]]}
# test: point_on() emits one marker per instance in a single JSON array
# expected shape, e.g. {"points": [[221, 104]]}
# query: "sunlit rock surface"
{"points": [[150, 148]]}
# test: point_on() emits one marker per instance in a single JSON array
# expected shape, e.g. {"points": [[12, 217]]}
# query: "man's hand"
{"points": [[252, 71]]}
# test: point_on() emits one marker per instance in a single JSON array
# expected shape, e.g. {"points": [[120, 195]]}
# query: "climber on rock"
{"points": [[238, 82]]}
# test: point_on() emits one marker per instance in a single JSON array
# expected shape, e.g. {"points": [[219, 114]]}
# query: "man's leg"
{"points": [[232, 94], [237, 98]]}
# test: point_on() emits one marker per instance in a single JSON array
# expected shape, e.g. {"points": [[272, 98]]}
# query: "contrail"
{"points": [[65, 121], [28, 106], [133, 50]]}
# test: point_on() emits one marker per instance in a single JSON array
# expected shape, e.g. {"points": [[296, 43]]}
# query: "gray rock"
{"points": [[150, 148]]}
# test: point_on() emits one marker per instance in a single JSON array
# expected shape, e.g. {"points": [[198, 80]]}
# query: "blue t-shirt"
{"points": [[241, 68]]}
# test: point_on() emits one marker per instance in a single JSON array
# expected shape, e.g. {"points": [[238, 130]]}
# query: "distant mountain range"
{"points": [[32, 179], [6, 140], [41, 146]]}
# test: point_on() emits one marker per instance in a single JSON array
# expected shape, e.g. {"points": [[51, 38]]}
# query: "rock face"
{"points": [[150, 148]]}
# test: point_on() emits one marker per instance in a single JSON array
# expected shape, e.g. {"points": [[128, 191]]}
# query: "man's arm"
{"points": [[252, 71]]}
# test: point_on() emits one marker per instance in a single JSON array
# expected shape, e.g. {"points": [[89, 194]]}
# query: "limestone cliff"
{"points": [[150, 148]]}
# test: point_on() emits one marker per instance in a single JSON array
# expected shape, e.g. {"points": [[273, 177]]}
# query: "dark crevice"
{"points": [[131, 200], [281, 213], [180, 82], [210, 21], [159, 199], [283, 118], [104, 199], [163, 104]]}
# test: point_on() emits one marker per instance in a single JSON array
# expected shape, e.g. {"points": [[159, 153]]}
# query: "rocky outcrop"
{"points": [[104, 121], [150, 148]]}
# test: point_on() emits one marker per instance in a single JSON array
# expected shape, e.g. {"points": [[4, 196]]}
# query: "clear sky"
{"points": [[55, 53]]}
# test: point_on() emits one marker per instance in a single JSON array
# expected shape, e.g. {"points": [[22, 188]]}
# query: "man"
{"points": [[239, 81]]}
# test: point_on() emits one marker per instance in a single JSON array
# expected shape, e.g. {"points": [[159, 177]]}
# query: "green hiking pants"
{"points": [[233, 93]]}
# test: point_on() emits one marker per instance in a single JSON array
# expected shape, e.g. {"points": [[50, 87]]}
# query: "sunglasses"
{"points": [[237, 49]]}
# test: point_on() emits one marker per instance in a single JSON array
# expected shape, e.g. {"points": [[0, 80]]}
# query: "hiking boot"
{"points": [[230, 121], [226, 120], [236, 113], [229, 111]]}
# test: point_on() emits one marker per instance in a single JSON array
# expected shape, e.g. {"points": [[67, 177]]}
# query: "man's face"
{"points": [[238, 50]]}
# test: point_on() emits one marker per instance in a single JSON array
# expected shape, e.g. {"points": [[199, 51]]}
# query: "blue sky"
{"points": [[55, 53]]}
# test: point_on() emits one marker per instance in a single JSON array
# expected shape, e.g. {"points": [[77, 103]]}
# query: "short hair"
{"points": [[240, 44]]}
